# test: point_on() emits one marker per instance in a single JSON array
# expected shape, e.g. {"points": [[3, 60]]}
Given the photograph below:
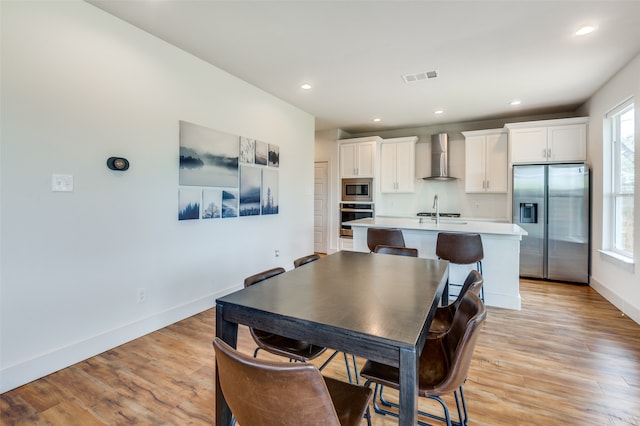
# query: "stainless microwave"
{"points": [[358, 189]]}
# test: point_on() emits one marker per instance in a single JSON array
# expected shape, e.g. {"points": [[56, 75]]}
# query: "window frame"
{"points": [[617, 193]]}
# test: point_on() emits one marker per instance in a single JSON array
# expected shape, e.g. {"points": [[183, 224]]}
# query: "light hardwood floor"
{"points": [[567, 358]]}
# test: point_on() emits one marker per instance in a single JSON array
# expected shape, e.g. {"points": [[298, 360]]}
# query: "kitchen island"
{"points": [[500, 241]]}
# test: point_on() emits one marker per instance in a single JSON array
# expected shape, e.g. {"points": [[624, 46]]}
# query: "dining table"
{"points": [[375, 306]]}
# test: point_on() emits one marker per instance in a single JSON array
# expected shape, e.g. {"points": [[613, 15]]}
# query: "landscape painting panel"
{"points": [[274, 155], [269, 191], [249, 191], [229, 203], [188, 203], [211, 203], [247, 150], [207, 157], [262, 153]]}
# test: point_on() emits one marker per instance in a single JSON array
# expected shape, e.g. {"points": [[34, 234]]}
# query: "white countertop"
{"points": [[446, 224]]}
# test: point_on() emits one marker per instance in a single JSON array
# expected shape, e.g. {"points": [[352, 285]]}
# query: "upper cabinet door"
{"points": [[397, 165], [497, 163], [366, 159], [474, 164], [567, 143], [486, 161], [348, 155], [529, 145]]}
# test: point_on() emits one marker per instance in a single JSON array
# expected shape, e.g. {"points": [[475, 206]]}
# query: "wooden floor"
{"points": [[567, 358]]}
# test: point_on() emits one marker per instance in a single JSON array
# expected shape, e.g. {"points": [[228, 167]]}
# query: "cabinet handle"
{"points": [[549, 153], [487, 185]]}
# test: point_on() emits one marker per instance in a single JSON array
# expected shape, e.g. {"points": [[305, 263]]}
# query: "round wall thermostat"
{"points": [[118, 163]]}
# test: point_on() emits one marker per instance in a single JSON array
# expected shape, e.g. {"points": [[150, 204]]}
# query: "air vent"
{"points": [[412, 78]]}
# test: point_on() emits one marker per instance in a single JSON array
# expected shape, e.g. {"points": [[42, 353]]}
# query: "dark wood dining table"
{"points": [[376, 306]]}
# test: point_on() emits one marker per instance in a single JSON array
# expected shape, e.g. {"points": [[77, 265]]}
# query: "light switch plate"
{"points": [[62, 183]]}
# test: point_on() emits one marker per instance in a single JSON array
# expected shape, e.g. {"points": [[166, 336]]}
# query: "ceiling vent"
{"points": [[425, 75]]}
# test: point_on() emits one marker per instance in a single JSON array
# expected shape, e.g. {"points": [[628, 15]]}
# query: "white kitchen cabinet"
{"points": [[397, 164], [549, 141], [486, 161], [357, 157]]}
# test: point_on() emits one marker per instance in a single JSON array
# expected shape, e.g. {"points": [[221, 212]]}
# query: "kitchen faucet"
{"points": [[436, 206]]}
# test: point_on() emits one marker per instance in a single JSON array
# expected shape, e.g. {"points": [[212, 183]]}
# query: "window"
{"points": [[622, 178]]}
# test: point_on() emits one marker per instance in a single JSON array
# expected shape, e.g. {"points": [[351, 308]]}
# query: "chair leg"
{"points": [[346, 362], [379, 401]]}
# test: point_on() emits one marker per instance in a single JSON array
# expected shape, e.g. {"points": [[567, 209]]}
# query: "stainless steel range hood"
{"points": [[439, 158]]}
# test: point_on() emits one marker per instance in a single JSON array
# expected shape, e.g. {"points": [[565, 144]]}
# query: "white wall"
{"points": [[78, 86], [617, 281]]}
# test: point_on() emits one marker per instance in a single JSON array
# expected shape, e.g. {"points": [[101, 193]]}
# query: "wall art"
{"points": [[207, 157], [269, 191], [188, 203], [225, 176], [250, 180]]}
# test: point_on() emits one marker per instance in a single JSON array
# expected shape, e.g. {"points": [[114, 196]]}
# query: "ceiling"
{"points": [[354, 53]]}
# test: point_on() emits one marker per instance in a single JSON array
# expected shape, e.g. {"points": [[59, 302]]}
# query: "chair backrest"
{"points": [[473, 283], [384, 236], [398, 251], [305, 259], [459, 248], [268, 393], [261, 276], [459, 342]]}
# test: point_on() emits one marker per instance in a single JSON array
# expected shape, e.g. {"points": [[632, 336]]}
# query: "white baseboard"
{"points": [[24, 372], [616, 300]]}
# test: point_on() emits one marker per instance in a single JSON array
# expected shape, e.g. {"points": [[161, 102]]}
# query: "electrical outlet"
{"points": [[141, 295], [277, 253]]}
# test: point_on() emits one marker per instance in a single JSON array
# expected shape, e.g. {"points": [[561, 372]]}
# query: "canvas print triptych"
{"points": [[223, 175]]}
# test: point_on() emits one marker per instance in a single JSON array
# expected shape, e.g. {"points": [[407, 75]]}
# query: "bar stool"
{"points": [[384, 236], [461, 249]]}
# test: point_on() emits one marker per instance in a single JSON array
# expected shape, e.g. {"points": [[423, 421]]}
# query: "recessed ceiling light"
{"points": [[306, 86], [377, 120], [515, 102], [586, 29], [438, 111]]}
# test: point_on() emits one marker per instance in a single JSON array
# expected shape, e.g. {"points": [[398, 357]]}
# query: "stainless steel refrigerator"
{"points": [[552, 203]]}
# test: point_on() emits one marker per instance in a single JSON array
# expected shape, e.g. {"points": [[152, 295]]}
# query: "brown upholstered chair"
{"points": [[296, 350], [384, 236], [444, 363], [305, 259], [293, 349], [398, 251], [443, 318], [267, 393], [462, 249]]}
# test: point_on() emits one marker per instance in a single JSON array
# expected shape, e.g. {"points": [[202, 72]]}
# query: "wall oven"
{"points": [[357, 190], [353, 211]]}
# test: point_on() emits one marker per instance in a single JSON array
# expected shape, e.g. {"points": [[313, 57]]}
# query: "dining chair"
{"points": [[461, 249], [384, 236], [398, 251], [295, 350], [443, 366], [305, 259], [443, 318], [268, 393]]}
